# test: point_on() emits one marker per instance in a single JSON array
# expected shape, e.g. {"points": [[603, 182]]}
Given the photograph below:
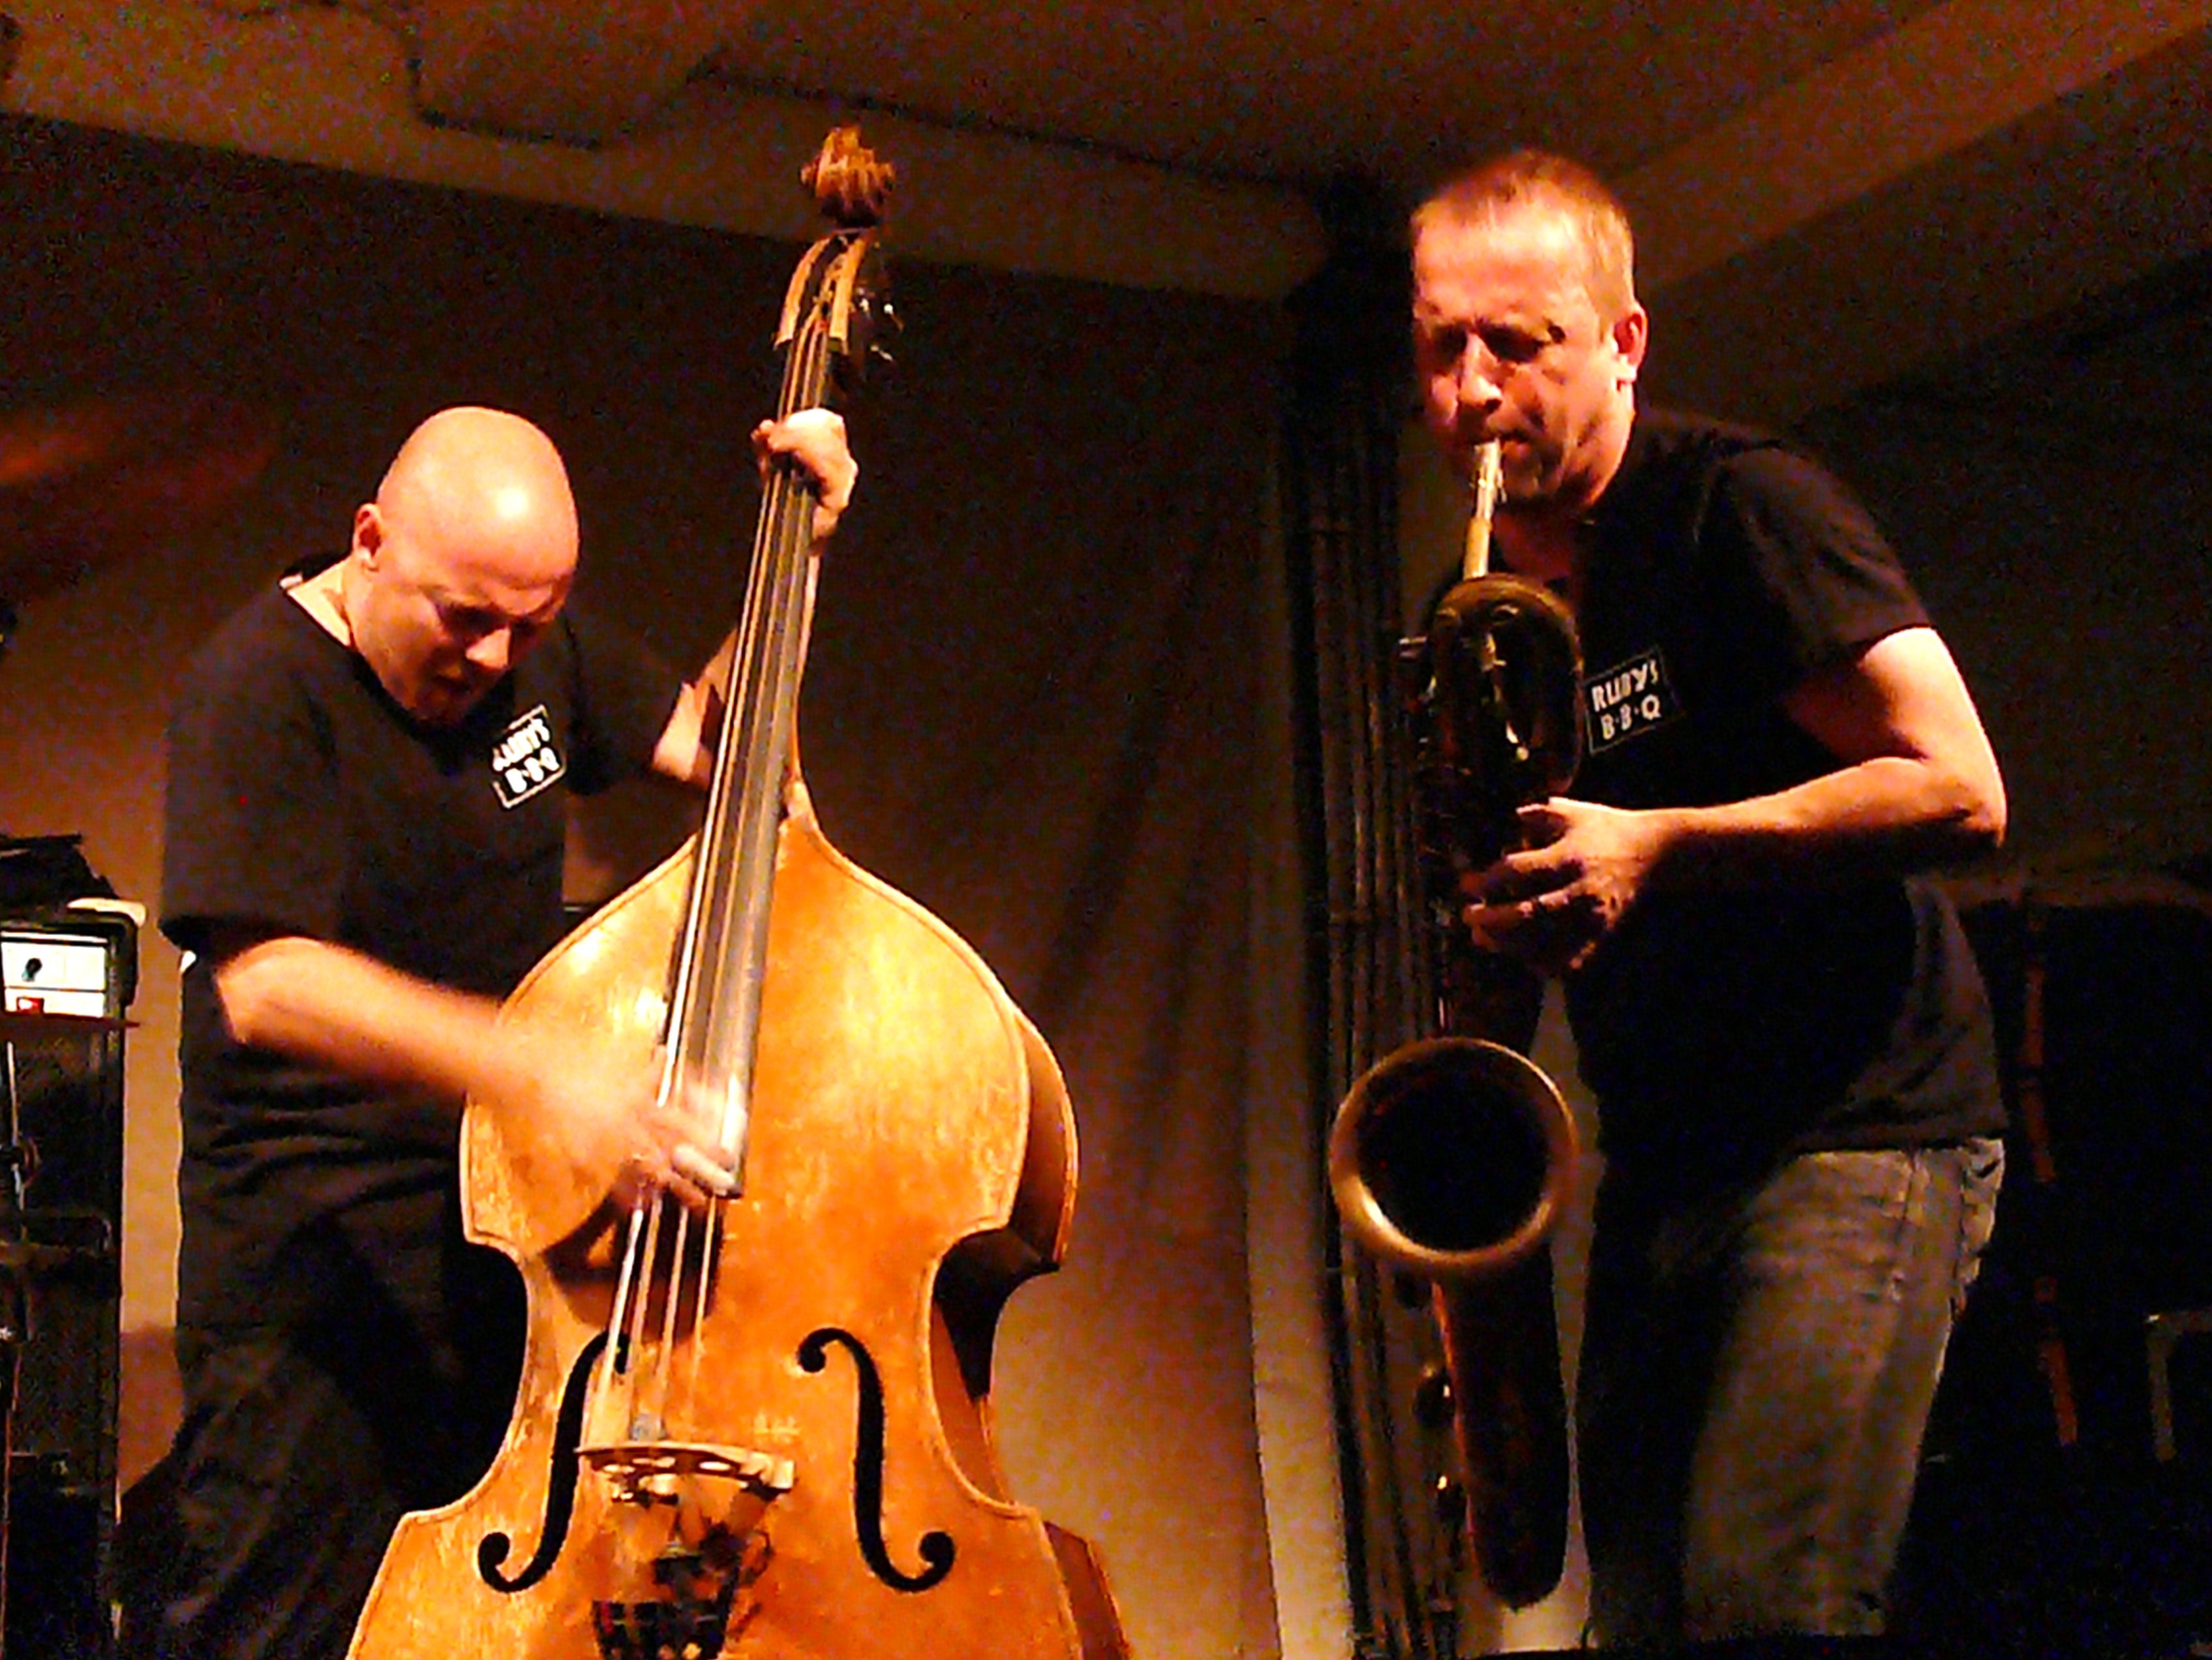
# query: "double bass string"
{"points": [[737, 854], [728, 918]]}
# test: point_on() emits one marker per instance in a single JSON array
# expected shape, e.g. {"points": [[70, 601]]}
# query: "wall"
{"points": [[2068, 562]]}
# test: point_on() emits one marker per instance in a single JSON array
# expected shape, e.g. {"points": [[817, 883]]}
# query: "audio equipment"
{"points": [[66, 977], [2062, 1505]]}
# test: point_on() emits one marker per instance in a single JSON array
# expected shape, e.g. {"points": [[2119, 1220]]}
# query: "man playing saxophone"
{"points": [[1782, 1024]]}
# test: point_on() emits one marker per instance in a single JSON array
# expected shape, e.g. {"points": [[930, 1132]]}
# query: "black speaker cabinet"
{"points": [[2102, 998], [2066, 1503], [66, 977]]}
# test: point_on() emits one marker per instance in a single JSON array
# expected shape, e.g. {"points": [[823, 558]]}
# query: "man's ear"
{"points": [[368, 533], [1632, 335]]}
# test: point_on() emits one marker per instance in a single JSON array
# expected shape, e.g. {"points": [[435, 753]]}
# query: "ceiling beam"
{"points": [[332, 87], [584, 74], [1990, 163], [1948, 80], [1822, 239]]}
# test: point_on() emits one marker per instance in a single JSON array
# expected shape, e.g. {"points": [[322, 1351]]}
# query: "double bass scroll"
{"points": [[765, 1432]]}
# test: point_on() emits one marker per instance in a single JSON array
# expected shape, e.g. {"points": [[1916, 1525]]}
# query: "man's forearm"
{"points": [[324, 1004], [1918, 784], [1886, 816]]}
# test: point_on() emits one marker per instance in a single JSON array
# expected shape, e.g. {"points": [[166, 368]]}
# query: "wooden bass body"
{"points": [[818, 1479]]}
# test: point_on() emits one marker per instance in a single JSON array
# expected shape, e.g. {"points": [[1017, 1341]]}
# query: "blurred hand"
{"points": [[604, 1110]]}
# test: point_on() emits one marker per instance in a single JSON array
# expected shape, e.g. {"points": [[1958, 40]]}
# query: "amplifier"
{"points": [[66, 977]]}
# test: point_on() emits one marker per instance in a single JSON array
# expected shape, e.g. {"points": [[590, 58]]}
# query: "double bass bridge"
{"points": [[651, 1471]]}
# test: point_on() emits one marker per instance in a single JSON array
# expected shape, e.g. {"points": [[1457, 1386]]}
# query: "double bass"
{"points": [[764, 1430]]}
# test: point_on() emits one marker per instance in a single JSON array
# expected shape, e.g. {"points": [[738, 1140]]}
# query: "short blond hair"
{"points": [[1539, 179]]}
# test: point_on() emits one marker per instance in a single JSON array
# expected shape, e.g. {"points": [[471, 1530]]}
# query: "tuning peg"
{"points": [[888, 323]]}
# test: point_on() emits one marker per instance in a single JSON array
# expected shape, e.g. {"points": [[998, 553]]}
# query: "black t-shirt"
{"points": [[302, 800], [1720, 1029]]}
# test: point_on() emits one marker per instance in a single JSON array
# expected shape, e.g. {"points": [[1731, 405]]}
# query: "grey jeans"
{"points": [[1757, 1369]]}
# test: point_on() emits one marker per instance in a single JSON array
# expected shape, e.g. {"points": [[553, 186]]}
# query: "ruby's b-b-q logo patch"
{"points": [[1626, 702], [525, 761]]}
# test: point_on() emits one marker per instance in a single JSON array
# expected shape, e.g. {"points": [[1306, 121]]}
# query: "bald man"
{"points": [[365, 830]]}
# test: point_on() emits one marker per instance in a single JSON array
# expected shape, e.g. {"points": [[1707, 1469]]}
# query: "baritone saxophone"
{"points": [[1453, 1158]]}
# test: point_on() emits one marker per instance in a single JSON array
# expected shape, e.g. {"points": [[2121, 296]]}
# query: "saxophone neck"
{"points": [[1489, 471]]}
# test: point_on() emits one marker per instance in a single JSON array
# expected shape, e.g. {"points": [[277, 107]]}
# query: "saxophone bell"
{"points": [[1453, 1160]]}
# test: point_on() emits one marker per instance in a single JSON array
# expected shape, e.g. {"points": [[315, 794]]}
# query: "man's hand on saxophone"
{"points": [[1552, 904]]}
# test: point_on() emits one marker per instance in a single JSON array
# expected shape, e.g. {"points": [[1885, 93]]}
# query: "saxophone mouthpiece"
{"points": [[1489, 462]]}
